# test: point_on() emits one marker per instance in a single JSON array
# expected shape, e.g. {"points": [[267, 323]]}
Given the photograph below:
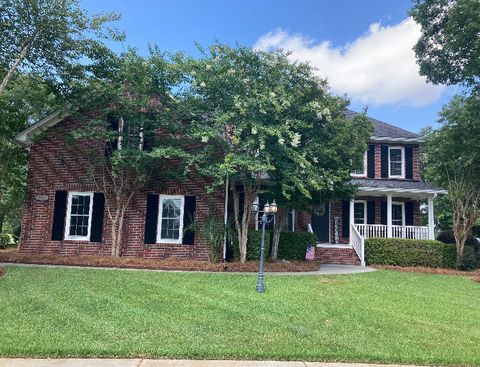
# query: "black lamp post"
{"points": [[269, 211]]}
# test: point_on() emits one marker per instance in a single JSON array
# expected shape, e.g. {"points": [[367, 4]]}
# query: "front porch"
{"points": [[381, 208], [400, 216]]}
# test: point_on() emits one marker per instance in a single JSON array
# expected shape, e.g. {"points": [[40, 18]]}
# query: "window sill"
{"points": [[77, 239]]}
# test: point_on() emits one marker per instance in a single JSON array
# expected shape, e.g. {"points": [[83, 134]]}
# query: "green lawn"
{"points": [[384, 316]]}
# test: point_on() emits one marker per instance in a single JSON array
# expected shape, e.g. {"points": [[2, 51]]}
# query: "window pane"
{"points": [[79, 215], [290, 220], [359, 213], [397, 214], [171, 213], [396, 162]]}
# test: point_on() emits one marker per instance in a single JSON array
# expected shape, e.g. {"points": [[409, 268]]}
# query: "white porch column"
{"points": [[389, 216], [431, 222], [352, 219]]}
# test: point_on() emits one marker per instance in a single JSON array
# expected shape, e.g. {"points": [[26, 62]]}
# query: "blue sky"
{"points": [[362, 47]]}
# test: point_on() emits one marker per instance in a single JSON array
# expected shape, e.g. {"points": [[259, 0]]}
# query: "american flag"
{"points": [[310, 255]]}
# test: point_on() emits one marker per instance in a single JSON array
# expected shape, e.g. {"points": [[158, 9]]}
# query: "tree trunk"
{"points": [[277, 230], [23, 53], [241, 224]]}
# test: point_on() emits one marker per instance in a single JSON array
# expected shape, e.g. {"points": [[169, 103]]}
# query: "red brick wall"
{"points": [[416, 160], [334, 255], [54, 165]]}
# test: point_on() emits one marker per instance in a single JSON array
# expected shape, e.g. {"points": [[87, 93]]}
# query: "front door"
{"points": [[320, 223]]}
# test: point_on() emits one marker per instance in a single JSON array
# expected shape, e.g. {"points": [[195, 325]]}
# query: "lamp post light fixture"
{"points": [[269, 211]]}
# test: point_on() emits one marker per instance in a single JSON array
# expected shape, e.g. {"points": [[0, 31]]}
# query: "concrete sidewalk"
{"points": [[14, 362]]}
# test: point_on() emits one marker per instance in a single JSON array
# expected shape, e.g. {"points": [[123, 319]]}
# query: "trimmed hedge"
{"points": [[253, 245], [293, 245], [254, 242], [405, 252]]}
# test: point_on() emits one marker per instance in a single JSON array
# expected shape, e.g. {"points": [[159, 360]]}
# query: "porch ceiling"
{"points": [[403, 188]]}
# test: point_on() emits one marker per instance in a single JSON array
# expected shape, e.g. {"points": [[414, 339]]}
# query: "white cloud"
{"points": [[377, 68]]}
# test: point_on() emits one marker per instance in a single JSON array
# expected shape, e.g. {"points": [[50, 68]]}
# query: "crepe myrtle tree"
{"points": [[121, 121], [258, 113], [453, 156]]}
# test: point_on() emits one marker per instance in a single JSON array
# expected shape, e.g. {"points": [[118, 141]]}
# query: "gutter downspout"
{"points": [[225, 220]]}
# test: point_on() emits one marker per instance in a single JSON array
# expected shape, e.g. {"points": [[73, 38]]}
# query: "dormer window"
{"points": [[362, 170], [396, 165]]}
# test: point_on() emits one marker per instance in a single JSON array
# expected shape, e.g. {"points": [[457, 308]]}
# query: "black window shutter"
{"points": [[409, 162], [151, 219], [371, 212], [58, 225], [111, 145], [383, 212], [189, 220], [409, 213], [371, 161], [345, 219], [148, 140], [384, 161], [97, 217]]}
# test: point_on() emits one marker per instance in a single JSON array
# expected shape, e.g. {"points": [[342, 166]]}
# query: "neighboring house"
{"points": [[63, 215]]}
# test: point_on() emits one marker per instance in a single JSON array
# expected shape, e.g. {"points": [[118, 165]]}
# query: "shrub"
{"points": [[253, 245], [403, 252], [7, 239], [469, 260], [448, 237], [254, 242], [293, 245]]}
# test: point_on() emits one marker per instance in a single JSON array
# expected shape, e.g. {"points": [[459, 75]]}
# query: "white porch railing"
{"points": [[411, 232], [381, 230], [371, 230], [358, 243]]}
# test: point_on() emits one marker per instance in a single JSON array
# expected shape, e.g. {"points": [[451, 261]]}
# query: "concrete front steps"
{"points": [[336, 254]]}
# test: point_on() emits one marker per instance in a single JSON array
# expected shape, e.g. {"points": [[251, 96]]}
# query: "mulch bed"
{"points": [[13, 256], [475, 275]]}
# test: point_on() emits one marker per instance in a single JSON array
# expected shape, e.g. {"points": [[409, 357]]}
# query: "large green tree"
{"points": [[260, 117], [448, 50], [54, 38], [124, 131], [453, 156], [27, 99]]}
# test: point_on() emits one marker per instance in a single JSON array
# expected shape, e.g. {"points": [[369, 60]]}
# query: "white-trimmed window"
{"points": [[360, 212], [398, 214], [170, 218], [290, 221], [396, 162], [361, 171], [79, 216]]}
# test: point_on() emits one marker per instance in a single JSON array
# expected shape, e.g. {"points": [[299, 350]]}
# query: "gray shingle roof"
{"points": [[395, 184], [383, 130]]}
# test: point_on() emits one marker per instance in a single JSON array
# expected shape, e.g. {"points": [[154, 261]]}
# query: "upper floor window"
{"points": [[79, 215], [362, 170], [396, 159]]}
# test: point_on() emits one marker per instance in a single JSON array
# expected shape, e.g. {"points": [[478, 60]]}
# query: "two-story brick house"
{"points": [[64, 215]]}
